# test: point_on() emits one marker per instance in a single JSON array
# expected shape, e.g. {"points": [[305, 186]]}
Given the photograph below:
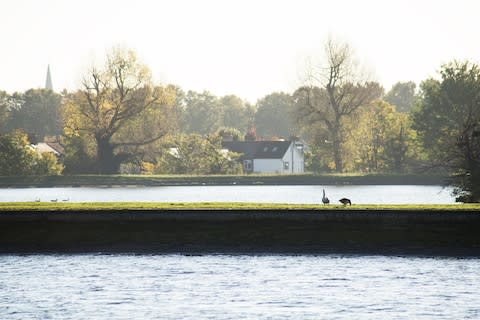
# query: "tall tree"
{"points": [[275, 116], [236, 113], [37, 112], [336, 90], [378, 139], [4, 111], [448, 120], [402, 96], [202, 113], [112, 101]]}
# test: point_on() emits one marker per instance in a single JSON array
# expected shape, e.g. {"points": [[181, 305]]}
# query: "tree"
{"points": [[80, 153], [119, 108], [18, 158], [334, 93], [448, 120], [402, 96], [231, 134], [202, 113], [275, 116], [194, 154], [179, 105], [4, 111], [378, 139], [236, 113], [37, 112]]}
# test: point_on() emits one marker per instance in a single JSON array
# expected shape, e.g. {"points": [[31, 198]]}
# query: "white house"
{"points": [[43, 147], [283, 157]]}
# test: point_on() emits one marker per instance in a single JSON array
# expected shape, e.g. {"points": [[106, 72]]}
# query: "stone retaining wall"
{"points": [[390, 232]]}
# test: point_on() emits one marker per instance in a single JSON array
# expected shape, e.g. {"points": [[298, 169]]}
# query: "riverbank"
{"points": [[186, 180], [244, 231]]}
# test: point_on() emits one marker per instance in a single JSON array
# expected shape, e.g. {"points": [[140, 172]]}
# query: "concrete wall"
{"points": [[395, 232]]}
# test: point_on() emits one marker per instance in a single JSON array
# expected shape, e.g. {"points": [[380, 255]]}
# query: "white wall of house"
{"points": [[268, 166], [295, 159], [292, 162]]}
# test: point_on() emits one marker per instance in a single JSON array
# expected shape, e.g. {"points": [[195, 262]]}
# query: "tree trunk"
{"points": [[337, 152], [106, 161], [337, 157]]}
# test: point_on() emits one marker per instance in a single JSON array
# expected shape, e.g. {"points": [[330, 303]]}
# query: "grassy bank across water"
{"points": [[187, 180]]}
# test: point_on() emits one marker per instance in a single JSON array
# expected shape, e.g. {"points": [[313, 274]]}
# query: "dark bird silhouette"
{"points": [[325, 200], [345, 201]]}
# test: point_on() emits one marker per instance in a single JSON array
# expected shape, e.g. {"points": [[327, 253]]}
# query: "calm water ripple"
{"points": [[391, 194], [237, 287]]}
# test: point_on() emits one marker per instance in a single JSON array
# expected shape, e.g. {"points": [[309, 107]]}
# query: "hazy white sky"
{"points": [[247, 47]]}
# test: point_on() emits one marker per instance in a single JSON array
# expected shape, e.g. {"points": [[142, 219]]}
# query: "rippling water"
{"points": [[237, 287]]}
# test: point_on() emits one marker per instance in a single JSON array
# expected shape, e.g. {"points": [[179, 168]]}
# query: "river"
{"points": [[389, 194], [98, 286]]}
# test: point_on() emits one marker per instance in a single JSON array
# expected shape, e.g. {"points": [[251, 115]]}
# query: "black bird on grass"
{"points": [[345, 201], [325, 200]]}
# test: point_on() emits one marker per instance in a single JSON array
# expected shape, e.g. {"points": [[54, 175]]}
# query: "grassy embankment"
{"points": [[153, 206], [192, 180]]}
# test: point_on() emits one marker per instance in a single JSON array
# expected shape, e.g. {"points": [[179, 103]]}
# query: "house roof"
{"points": [[258, 149], [57, 147], [43, 147]]}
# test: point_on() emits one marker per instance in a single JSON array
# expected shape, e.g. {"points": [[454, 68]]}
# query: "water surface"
{"points": [[237, 287], [389, 194]]}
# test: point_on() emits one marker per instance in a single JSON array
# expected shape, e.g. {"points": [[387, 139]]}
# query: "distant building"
{"points": [[48, 82], [284, 157], [43, 147], [50, 145]]}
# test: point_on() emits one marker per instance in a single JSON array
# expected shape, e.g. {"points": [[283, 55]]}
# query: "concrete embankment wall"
{"points": [[392, 232]]}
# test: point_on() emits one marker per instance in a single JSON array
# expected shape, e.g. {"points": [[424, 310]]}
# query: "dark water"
{"points": [[237, 287], [390, 194]]}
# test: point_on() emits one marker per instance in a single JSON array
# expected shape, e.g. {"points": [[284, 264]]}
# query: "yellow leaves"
{"points": [[375, 136], [147, 167], [331, 165]]}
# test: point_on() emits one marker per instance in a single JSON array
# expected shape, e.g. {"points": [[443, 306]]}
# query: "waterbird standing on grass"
{"points": [[325, 200], [345, 201]]}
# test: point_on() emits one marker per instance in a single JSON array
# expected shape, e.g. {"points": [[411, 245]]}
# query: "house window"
{"points": [[286, 165], [247, 165], [274, 149]]}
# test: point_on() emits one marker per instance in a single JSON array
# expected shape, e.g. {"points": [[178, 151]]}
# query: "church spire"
{"points": [[48, 82]]}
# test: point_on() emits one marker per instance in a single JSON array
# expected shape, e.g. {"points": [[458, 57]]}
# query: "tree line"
{"points": [[120, 121]]}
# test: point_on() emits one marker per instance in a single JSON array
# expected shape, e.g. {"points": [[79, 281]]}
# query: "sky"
{"points": [[249, 48]]}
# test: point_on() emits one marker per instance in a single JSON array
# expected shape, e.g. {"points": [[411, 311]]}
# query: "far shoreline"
{"points": [[220, 180]]}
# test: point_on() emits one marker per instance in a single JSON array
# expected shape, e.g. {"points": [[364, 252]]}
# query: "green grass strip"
{"points": [[94, 206]]}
